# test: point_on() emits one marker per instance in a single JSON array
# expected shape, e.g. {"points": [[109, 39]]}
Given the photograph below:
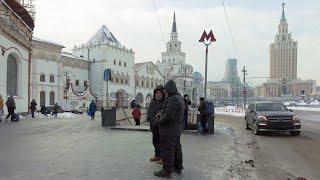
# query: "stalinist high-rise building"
{"points": [[284, 81], [283, 53]]}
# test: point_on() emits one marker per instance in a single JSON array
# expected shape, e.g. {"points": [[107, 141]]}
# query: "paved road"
{"points": [[82, 149], [279, 155]]}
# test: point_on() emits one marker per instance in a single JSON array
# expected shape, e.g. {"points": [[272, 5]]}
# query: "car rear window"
{"points": [[271, 107]]}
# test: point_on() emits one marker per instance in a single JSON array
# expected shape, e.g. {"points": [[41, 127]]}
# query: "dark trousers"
{"points": [[92, 114], [203, 122], [156, 140], [171, 153], [32, 113], [137, 122], [10, 113], [185, 119]]}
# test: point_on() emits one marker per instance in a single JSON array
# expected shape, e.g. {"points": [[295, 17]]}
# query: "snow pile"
{"points": [[66, 115], [230, 110], [304, 108]]}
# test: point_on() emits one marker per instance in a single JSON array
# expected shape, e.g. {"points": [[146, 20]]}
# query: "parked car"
{"points": [[272, 117]]}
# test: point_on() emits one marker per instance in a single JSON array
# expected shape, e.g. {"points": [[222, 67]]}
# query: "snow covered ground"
{"points": [[230, 110]]}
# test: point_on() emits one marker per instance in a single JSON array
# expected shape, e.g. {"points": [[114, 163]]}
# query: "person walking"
{"points": [[203, 115], [92, 109], [154, 108], [170, 120], [187, 102], [11, 106], [1, 107], [33, 107], [55, 110], [136, 113]]}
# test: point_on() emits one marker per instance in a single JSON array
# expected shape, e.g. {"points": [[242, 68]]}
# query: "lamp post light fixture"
{"points": [[206, 39]]}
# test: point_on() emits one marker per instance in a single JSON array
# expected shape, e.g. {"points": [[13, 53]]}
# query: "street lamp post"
{"points": [[206, 39]]}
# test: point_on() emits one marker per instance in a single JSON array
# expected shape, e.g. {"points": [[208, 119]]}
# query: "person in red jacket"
{"points": [[136, 113]]}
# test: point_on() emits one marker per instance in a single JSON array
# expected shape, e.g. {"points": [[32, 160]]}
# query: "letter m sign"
{"points": [[207, 37]]}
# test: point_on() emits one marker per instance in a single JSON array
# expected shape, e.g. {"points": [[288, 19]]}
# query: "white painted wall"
{"points": [[22, 55]]}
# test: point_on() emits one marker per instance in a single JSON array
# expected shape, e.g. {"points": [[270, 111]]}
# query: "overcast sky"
{"points": [[134, 23]]}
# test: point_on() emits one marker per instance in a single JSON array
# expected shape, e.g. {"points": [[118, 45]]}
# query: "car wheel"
{"points": [[295, 133], [256, 129]]}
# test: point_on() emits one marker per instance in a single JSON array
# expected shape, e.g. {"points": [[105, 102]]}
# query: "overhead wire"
{"points": [[156, 11], [229, 27]]}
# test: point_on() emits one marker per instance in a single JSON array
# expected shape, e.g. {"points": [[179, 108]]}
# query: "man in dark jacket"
{"points": [[187, 102], [170, 131], [155, 106], [203, 115]]}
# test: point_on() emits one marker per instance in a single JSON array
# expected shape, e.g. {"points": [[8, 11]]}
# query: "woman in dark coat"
{"points": [[33, 107], [155, 106], [92, 109], [11, 106]]}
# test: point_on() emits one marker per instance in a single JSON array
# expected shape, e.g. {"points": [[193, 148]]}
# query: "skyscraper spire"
{"points": [[283, 17], [174, 26]]}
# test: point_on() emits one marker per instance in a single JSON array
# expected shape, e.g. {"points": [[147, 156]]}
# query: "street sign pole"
{"points": [[107, 77], [206, 39], [206, 73], [107, 103]]}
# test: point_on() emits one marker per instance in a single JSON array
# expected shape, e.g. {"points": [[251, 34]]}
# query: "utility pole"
{"points": [[238, 94], [244, 92]]}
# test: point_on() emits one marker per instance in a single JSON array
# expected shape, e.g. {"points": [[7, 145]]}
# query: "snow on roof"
{"points": [[139, 65], [69, 55], [104, 35], [47, 42]]}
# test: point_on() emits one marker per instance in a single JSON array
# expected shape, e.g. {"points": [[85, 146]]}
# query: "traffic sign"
{"points": [[107, 75]]}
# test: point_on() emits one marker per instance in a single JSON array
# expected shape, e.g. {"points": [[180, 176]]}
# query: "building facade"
{"points": [[104, 51], [283, 67], [16, 30], [173, 64], [147, 78], [59, 77], [231, 73], [283, 53]]}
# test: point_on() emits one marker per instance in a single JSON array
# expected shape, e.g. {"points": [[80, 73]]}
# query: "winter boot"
{"points": [[155, 158], [163, 173]]}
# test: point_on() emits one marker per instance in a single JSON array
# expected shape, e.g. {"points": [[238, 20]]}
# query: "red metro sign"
{"points": [[207, 37]]}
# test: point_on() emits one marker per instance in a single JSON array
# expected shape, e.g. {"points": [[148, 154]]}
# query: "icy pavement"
{"points": [[77, 148]]}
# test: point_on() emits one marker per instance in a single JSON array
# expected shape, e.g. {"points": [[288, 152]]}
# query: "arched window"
{"points": [[12, 75], [51, 78], [142, 83], [121, 81], [114, 62], [117, 80], [52, 96], [42, 78], [119, 63], [125, 64], [147, 84], [42, 98], [152, 85], [126, 81], [137, 83], [77, 83]]}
